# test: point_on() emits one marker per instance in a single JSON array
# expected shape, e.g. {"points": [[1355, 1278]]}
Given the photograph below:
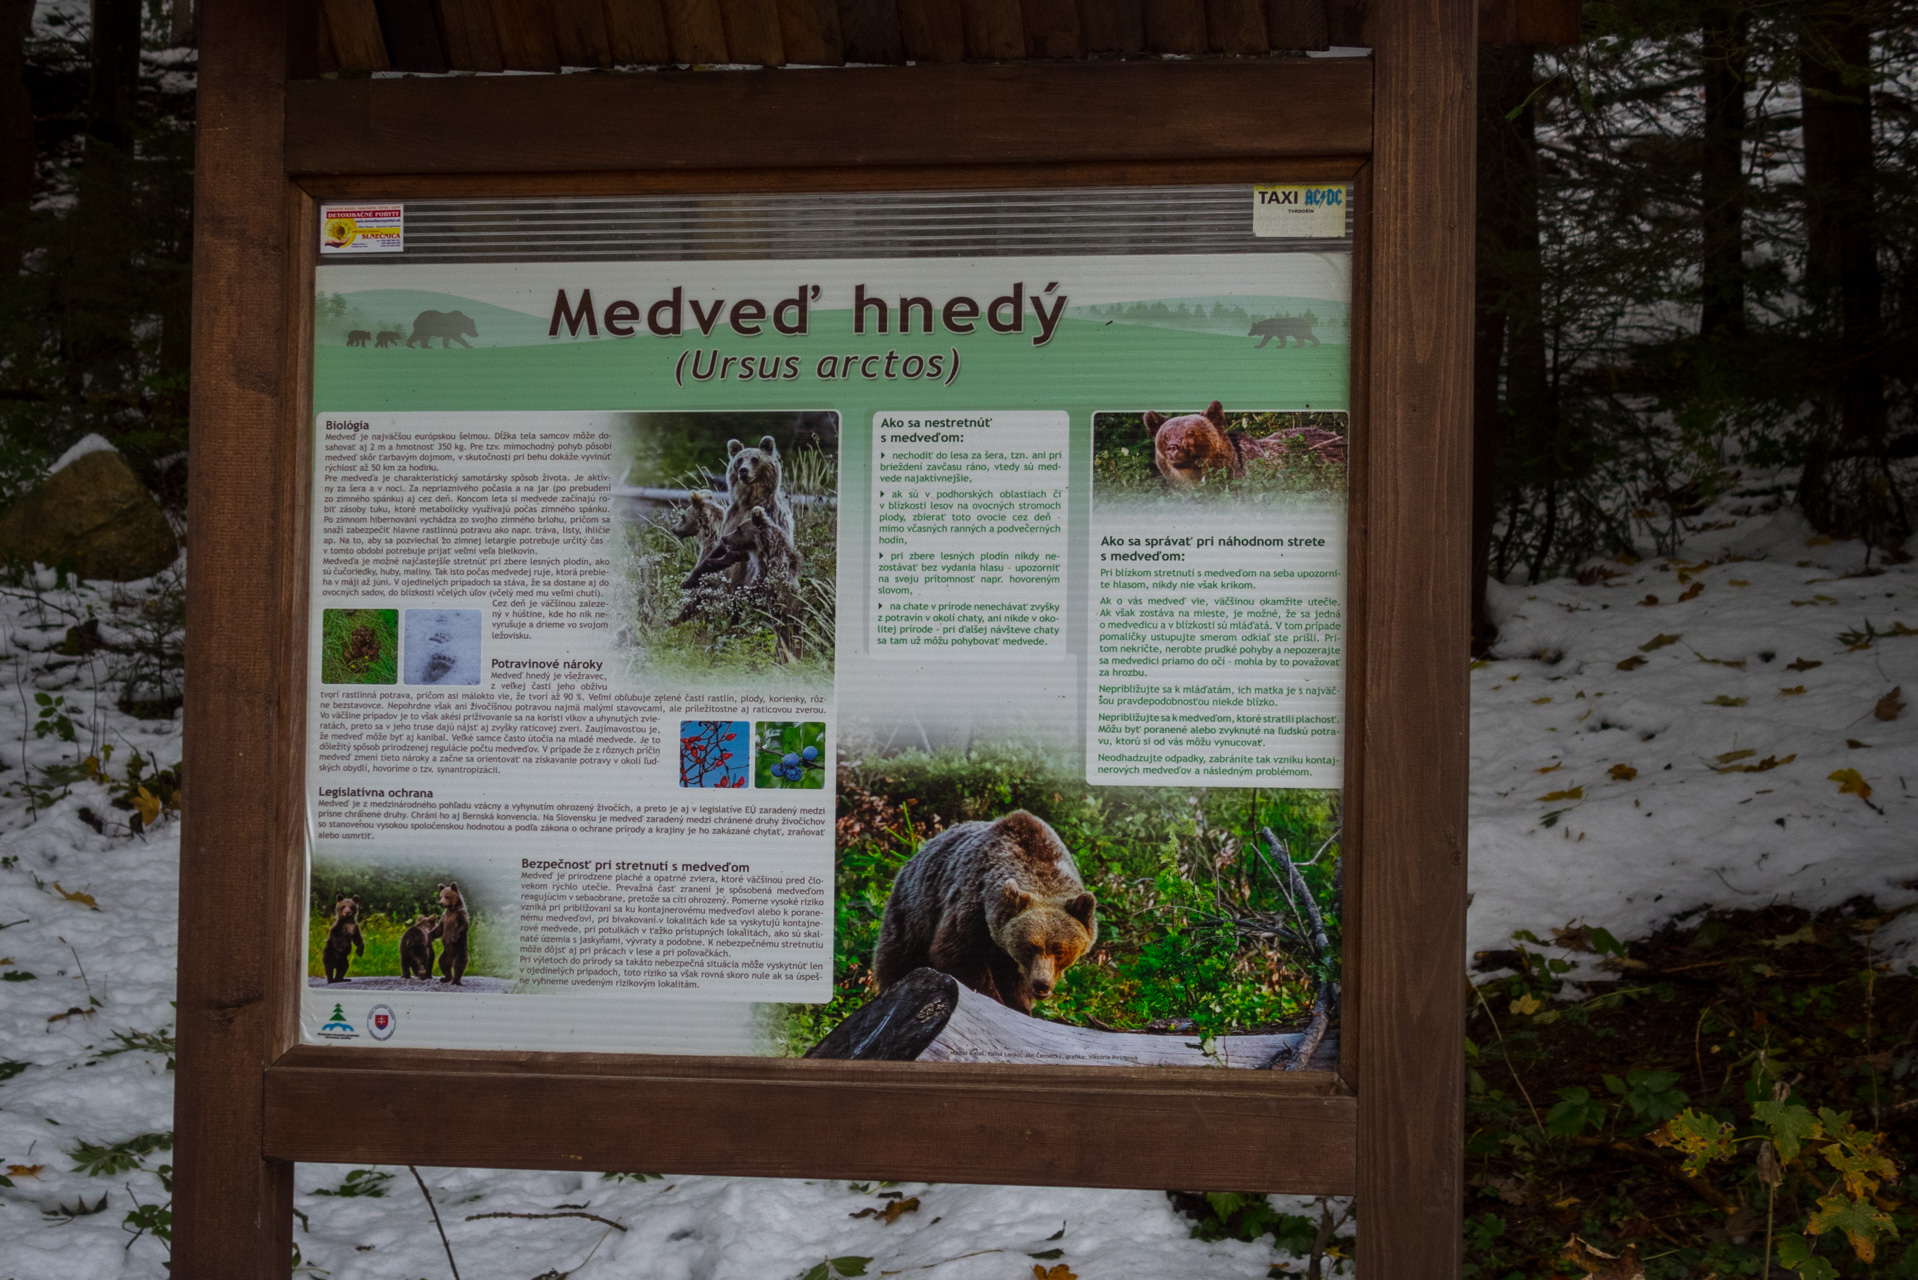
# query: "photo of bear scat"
{"points": [[398, 922], [443, 646], [1210, 455], [725, 549]]}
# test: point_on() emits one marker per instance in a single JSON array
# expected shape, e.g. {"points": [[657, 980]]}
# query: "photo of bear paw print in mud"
{"points": [[359, 646], [443, 646]]}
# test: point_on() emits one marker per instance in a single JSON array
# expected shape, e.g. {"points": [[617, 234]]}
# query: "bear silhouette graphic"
{"points": [[1284, 327], [387, 338], [358, 338], [447, 326]]}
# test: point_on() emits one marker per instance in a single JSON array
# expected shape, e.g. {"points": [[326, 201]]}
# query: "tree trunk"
{"points": [[1724, 56], [97, 315], [1506, 278], [928, 1016], [114, 48], [1848, 487], [17, 149]]}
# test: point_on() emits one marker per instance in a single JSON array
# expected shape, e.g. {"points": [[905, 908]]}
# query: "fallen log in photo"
{"points": [[930, 1016]]}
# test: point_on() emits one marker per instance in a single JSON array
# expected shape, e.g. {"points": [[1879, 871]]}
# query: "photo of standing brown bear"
{"points": [[343, 940], [451, 931], [1210, 453], [404, 926], [725, 545]]}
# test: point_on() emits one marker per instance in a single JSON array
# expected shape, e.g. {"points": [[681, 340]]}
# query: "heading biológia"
{"points": [[873, 311]]}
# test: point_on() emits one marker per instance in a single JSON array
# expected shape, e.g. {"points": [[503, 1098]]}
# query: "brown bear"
{"points": [[416, 948], [998, 905], [343, 940], [761, 544], [1185, 448], [451, 930], [699, 520], [753, 480]]}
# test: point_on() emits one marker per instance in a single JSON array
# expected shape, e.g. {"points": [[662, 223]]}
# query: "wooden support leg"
{"points": [[1411, 1020], [233, 1206]]}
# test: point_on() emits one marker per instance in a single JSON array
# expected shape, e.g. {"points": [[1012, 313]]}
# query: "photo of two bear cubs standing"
{"points": [[449, 926]]}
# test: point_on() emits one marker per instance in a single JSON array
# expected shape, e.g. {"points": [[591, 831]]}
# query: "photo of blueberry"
{"points": [[789, 754]]}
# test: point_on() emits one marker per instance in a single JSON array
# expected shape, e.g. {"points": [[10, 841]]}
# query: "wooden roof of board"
{"points": [[437, 36]]}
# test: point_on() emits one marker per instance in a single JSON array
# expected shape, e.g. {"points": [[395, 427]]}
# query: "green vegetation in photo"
{"points": [[1122, 466], [359, 646], [790, 755], [389, 899], [1168, 866], [726, 632]]}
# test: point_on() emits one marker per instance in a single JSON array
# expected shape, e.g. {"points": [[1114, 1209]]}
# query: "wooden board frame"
{"points": [[251, 1100]]}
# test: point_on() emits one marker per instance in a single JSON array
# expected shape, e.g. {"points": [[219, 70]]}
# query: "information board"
{"points": [[726, 607]]}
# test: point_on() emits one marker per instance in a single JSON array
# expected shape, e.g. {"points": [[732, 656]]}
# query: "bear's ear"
{"points": [[769, 445], [1080, 909], [1215, 412], [454, 885], [733, 447], [1016, 898], [1153, 421]]}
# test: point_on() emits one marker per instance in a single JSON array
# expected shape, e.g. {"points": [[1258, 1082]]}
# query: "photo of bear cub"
{"points": [[407, 927], [1213, 453], [451, 931], [998, 905], [725, 546], [343, 939]]}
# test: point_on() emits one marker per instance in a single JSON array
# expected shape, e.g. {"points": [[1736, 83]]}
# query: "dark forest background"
{"points": [[1698, 264]]}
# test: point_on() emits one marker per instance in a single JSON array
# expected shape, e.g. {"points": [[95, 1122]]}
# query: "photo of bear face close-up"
{"points": [[725, 546], [1210, 454]]}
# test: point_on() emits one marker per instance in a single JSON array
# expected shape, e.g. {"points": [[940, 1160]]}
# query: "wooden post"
{"points": [[233, 1207], [1410, 1020]]}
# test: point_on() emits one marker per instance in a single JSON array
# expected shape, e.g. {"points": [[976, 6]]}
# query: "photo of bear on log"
{"points": [[1092, 926]]}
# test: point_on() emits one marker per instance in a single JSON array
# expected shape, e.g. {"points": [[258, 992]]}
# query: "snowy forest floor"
{"points": [[1725, 726]]}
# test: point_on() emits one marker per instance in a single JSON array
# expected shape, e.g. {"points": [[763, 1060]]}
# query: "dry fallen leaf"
{"points": [[1851, 783], [1803, 664], [1890, 705], [1622, 773], [1539, 702], [1737, 582], [1730, 756], [1792, 692], [74, 1012], [1763, 766], [1600, 1265], [1657, 642], [1649, 600], [1527, 1004], [1059, 1272], [24, 1170], [892, 1212], [1726, 700], [84, 899], [1570, 793], [1691, 592], [1553, 768], [1632, 663]]}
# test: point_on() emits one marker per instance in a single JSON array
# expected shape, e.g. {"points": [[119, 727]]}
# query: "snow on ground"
{"points": [[1666, 735], [1699, 776]]}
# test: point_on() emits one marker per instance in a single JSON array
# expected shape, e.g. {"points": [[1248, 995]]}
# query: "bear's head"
{"points": [[460, 322], [1045, 938], [345, 909], [752, 475], [1186, 447], [421, 922], [450, 896], [701, 515]]}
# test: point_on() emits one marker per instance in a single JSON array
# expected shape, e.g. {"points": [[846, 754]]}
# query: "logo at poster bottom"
{"points": [[380, 1021], [337, 1027]]}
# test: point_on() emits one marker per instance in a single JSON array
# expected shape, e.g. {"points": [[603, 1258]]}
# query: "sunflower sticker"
{"points": [[362, 228]]}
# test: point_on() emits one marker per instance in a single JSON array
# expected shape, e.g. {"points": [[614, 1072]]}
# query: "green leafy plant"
{"points": [[100, 1160]]}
